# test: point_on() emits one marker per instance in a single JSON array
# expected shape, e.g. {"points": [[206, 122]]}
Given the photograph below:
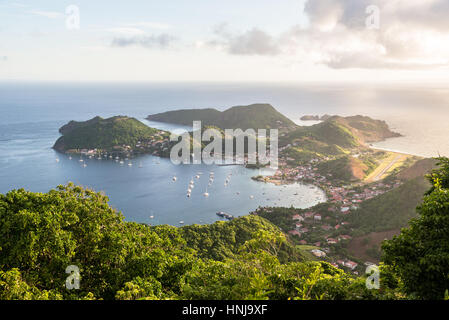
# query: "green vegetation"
{"points": [[104, 134], [420, 254], [248, 258], [391, 210], [334, 138], [322, 135], [366, 129], [255, 116]]}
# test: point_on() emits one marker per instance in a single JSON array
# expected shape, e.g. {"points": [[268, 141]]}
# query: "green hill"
{"points": [[99, 133], [391, 210], [335, 137], [366, 129], [255, 116]]}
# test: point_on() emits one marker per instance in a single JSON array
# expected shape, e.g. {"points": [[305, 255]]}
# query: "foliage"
{"points": [[256, 116], [247, 258], [391, 210], [420, 254], [103, 133]]}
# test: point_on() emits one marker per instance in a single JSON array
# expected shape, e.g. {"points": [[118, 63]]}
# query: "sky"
{"points": [[233, 40]]}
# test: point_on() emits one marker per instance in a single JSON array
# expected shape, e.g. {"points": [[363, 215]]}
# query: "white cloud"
{"points": [[413, 34], [160, 41], [251, 42]]}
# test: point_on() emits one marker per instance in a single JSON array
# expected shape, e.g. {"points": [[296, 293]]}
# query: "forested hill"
{"points": [[343, 132], [102, 133], [248, 258], [255, 116]]}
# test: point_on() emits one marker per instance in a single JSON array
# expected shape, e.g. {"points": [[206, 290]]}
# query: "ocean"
{"points": [[31, 115]]}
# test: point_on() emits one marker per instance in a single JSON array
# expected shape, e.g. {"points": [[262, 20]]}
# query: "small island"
{"points": [[115, 136], [255, 116]]}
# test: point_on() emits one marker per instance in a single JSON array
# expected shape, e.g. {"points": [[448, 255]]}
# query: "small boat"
{"points": [[81, 160], [151, 217], [197, 176], [181, 222], [57, 160], [174, 179], [70, 158], [84, 165], [225, 215], [206, 194]]}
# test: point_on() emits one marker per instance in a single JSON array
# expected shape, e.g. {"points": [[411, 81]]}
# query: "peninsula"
{"points": [[115, 136]]}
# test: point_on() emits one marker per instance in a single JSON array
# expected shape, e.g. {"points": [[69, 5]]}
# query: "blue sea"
{"points": [[31, 115]]}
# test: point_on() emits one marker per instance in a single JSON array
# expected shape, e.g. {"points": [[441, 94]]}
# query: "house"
{"points": [[317, 217], [308, 214], [318, 253], [344, 210], [294, 232], [351, 264], [298, 217], [331, 241], [344, 237]]}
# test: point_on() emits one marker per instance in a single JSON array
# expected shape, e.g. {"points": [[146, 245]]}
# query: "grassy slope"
{"points": [[102, 133], [391, 210]]}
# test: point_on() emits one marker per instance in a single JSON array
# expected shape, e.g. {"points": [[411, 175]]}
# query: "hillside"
{"points": [[251, 259], [366, 129], [105, 134], [344, 168], [255, 116], [333, 141], [391, 210]]}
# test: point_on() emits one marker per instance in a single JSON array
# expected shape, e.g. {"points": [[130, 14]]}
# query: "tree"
{"points": [[420, 254]]}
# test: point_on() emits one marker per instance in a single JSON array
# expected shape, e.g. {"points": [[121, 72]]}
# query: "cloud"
{"points": [[413, 34], [47, 14], [149, 25], [251, 42], [161, 41], [126, 31]]}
